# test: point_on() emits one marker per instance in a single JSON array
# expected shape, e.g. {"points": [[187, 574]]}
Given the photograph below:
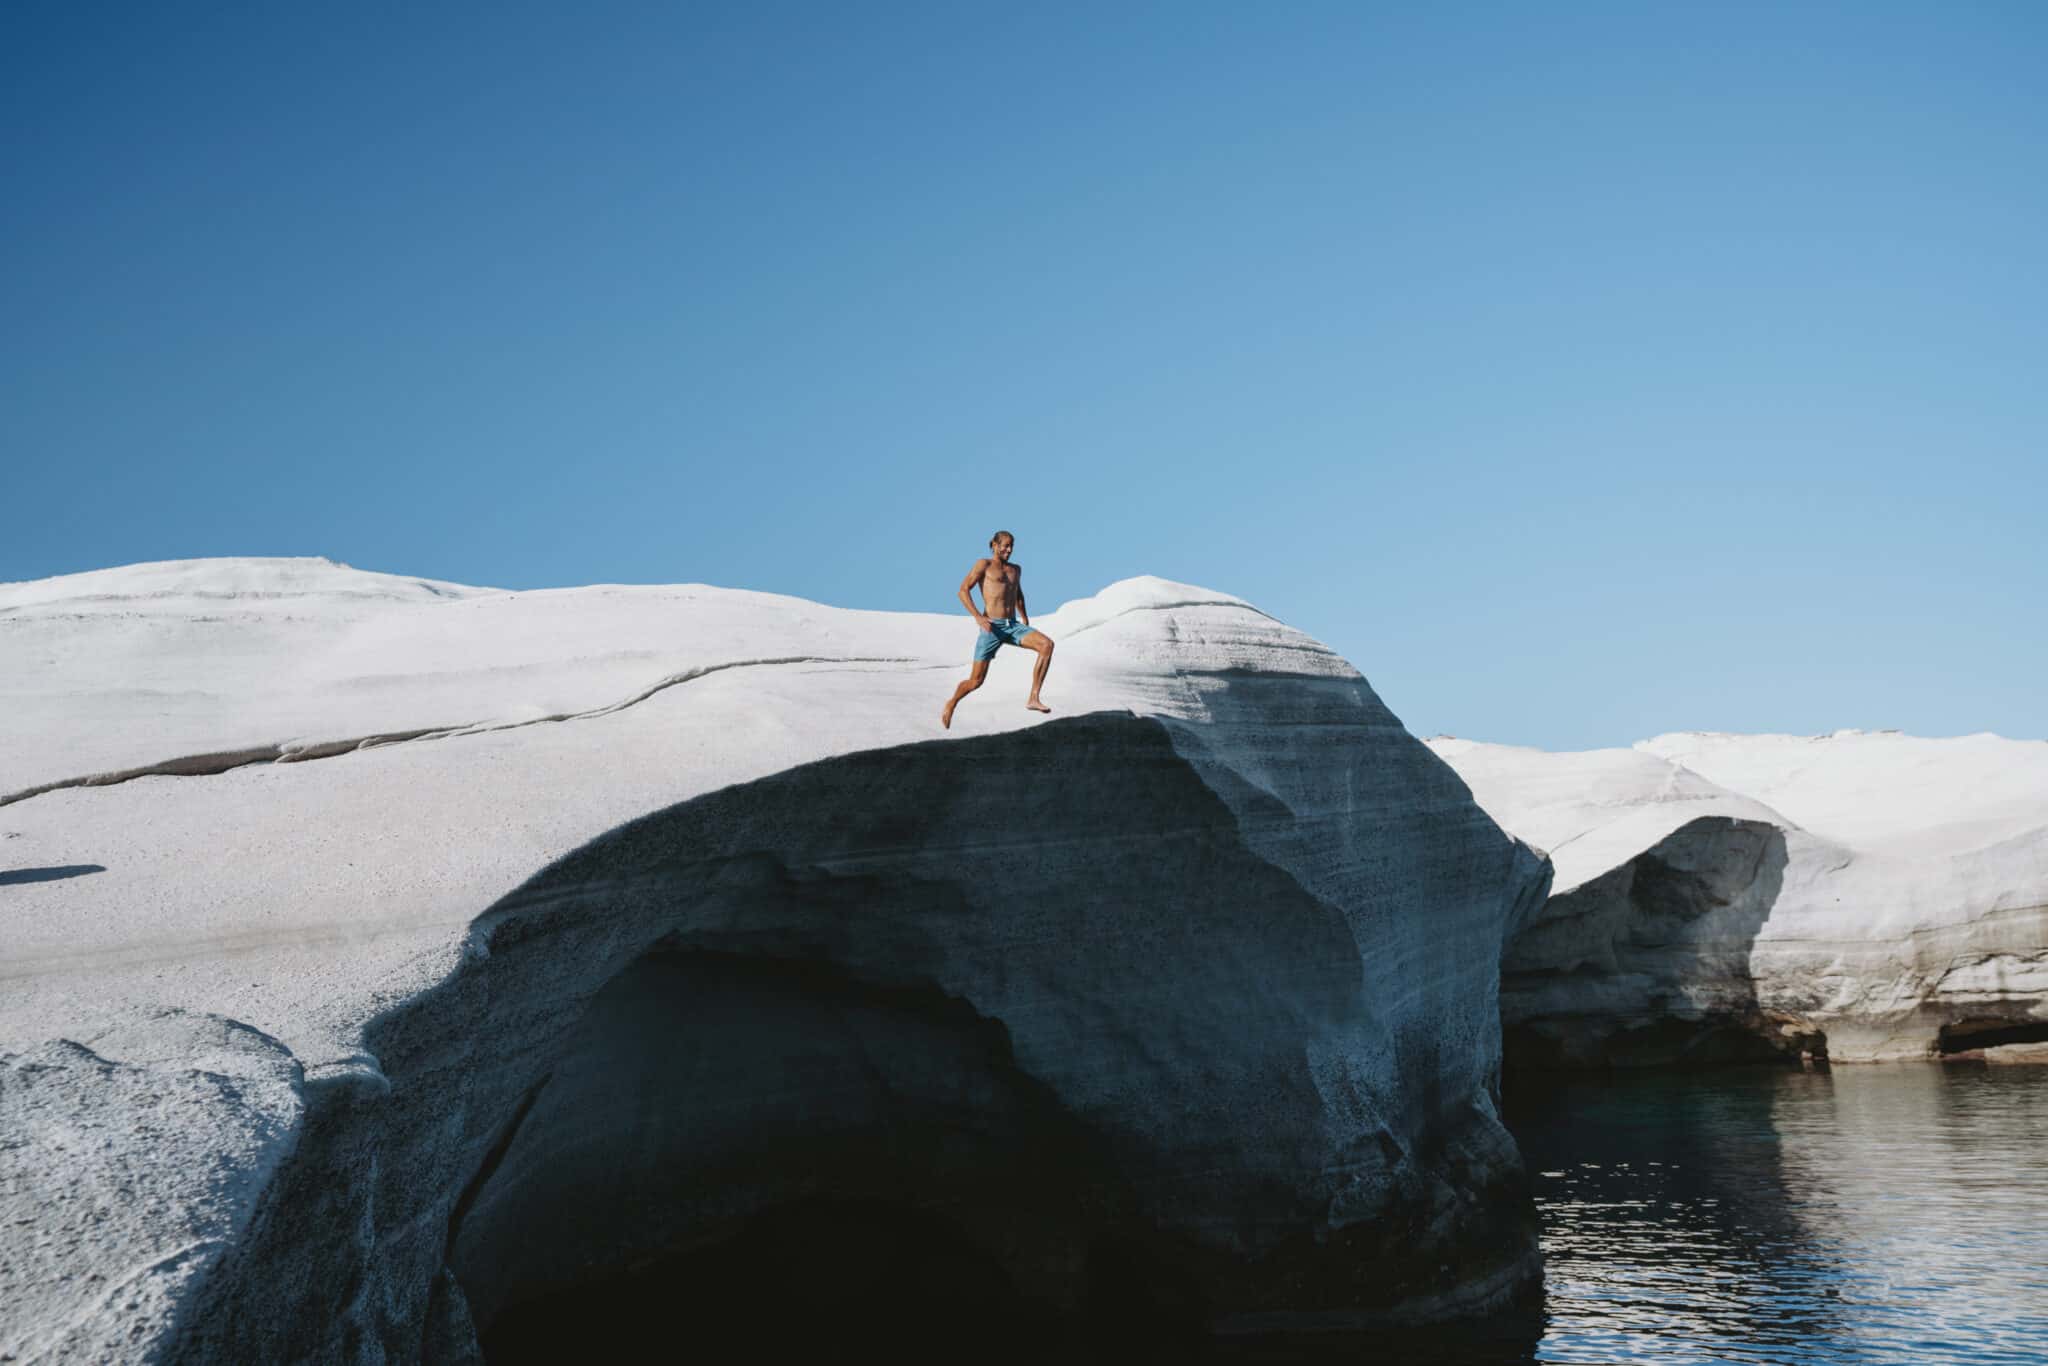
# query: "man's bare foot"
{"points": [[946, 717], [1036, 705]]}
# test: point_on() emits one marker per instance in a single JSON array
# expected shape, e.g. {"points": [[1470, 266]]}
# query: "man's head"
{"points": [[1001, 544]]}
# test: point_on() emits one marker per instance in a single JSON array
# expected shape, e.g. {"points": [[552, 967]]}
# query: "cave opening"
{"points": [[1962, 1037], [772, 1153], [806, 1277]]}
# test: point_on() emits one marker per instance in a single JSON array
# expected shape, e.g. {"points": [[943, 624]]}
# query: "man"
{"points": [[1002, 595]]}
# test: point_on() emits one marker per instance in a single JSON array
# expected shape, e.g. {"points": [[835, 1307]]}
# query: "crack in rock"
{"points": [[220, 761]]}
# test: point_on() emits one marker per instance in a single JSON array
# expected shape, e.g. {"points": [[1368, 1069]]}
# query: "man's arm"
{"points": [[973, 577], [1018, 584]]}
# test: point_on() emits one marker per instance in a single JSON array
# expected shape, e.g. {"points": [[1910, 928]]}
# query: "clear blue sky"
{"points": [[1580, 371]]}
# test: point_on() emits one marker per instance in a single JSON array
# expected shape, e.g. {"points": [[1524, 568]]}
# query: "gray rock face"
{"points": [[1858, 897], [1068, 1010], [1186, 1001], [1648, 963]]}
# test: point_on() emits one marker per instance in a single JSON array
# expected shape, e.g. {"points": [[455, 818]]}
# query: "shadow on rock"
{"points": [[1017, 1022], [14, 876], [1648, 964]]}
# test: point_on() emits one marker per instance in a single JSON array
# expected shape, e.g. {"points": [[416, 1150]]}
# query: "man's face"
{"points": [[1002, 550]]}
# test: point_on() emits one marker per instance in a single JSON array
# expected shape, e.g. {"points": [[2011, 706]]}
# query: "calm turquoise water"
{"points": [[1868, 1214]]}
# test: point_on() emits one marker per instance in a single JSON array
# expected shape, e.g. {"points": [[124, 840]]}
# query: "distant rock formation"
{"points": [[391, 963], [1856, 896]]}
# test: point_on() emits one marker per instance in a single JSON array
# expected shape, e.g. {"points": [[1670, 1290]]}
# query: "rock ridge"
{"points": [[1222, 938]]}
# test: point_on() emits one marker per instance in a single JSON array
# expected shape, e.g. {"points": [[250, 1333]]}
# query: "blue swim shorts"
{"points": [[1001, 631]]}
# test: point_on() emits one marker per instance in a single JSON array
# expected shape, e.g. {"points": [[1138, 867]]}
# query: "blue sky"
{"points": [[1578, 371]]}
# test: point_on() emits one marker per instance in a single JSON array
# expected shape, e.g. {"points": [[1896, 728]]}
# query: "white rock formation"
{"points": [[373, 947], [1720, 894]]}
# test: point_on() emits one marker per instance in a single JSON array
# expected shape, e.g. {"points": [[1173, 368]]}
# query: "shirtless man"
{"points": [[1002, 593]]}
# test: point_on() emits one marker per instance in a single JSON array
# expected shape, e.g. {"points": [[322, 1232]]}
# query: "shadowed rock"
{"points": [[1064, 1014]]}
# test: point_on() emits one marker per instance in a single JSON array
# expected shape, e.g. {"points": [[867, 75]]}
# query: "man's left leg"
{"points": [[975, 674], [1042, 643]]}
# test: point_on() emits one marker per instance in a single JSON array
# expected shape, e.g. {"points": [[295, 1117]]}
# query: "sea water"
{"points": [[1881, 1213], [1892, 1213]]}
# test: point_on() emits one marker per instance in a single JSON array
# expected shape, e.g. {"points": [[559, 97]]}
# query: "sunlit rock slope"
{"points": [[1858, 895], [385, 960]]}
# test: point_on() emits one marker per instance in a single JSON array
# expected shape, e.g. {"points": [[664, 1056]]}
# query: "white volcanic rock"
{"points": [[1716, 894], [468, 945]]}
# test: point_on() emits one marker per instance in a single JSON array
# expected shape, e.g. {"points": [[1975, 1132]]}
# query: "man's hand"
{"points": [[983, 620]]}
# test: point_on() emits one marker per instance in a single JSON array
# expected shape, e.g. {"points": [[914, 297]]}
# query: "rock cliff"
{"points": [[394, 965], [1860, 896]]}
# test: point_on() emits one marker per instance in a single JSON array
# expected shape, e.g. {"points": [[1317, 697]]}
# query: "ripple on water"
{"points": [[1886, 1213]]}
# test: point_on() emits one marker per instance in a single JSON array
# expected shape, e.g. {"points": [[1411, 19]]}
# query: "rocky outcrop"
{"points": [[1179, 1008], [1853, 896], [128, 1166]]}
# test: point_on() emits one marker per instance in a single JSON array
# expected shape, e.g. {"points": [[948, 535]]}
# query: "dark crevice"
{"points": [[1669, 1042], [1974, 1035], [15, 876], [218, 761], [492, 1159]]}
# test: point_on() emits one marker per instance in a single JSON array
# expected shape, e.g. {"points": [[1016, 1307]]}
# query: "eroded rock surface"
{"points": [[689, 930], [128, 1163], [1858, 896]]}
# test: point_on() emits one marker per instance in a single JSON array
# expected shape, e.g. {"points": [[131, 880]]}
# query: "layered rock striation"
{"points": [[1856, 896], [610, 941]]}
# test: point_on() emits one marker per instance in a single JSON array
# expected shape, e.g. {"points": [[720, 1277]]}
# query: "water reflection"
{"points": [[1935, 1177], [1884, 1213]]}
